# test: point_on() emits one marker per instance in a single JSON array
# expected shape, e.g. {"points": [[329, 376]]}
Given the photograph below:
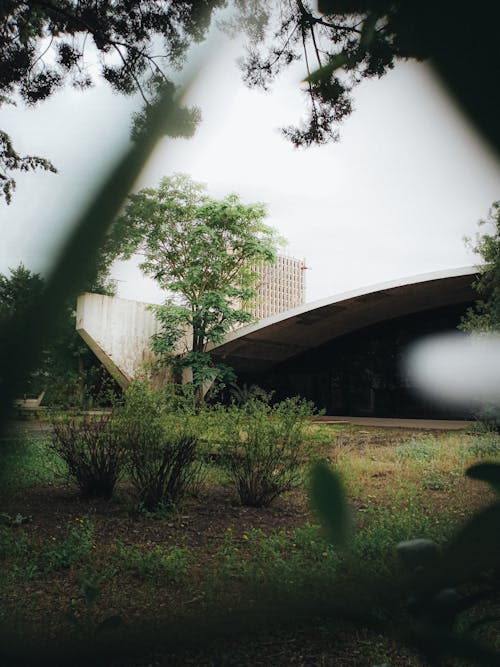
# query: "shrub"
{"points": [[262, 448], [162, 448], [93, 451], [488, 419]]}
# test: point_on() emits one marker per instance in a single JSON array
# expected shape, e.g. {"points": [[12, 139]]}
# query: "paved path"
{"points": [[383, 422]]}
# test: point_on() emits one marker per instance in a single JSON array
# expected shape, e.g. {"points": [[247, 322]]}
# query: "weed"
{"points": [[157, 565], [59, 554], [436, 481], [280, 562], [486, 445], [421, 449], [30, 461], [13, 542]]}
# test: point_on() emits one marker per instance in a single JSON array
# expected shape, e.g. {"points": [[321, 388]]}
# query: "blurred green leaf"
{"points": [[324, 73], [90, 590], [418, 553], [329, 500], [475, 548], [110, 623], [23, 338], [486, 472]]}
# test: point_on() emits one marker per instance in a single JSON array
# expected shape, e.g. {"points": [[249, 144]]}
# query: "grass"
{"points": [[29, 462], [211, 551]]}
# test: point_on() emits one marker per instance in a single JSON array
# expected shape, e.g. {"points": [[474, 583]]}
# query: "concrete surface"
{"points": [[260, 346], [386, 422], [118, 331]]}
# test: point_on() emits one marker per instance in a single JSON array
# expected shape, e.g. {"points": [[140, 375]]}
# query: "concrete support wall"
{"points": [[118, 331]]}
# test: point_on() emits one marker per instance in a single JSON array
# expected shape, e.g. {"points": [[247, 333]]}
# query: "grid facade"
{"points": [[280, 286]]}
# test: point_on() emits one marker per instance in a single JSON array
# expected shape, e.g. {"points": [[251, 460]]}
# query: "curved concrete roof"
{"points": [[260, 346]]}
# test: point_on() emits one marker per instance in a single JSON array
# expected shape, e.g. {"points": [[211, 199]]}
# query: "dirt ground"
{"points": [[200, 523]]}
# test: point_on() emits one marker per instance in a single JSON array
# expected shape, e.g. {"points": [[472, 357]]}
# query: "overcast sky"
{"points": [[393, 198]]}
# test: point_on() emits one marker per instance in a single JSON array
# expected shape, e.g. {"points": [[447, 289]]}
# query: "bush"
{"points": [[93, 451], [162, 447], [488, 419], [262, 448]]}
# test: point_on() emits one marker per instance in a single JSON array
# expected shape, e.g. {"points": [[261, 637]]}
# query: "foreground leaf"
{"points": [[329, 500]]}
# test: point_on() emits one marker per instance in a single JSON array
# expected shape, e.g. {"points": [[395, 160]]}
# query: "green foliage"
{"points": [[201, 250], [420, 449], [31, 461], [62, 553], [158, 565], [488, 419], [19, 290], [42, 46], [485, 316], [441, 583], [162, 447], [93, 451], [328, 499], [27, 558], [280, 562], [486, 445], [263, 448], [13, 542], [68, 371]]}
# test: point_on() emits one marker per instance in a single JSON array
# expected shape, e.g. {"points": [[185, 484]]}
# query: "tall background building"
{"points": [[281, 286]]}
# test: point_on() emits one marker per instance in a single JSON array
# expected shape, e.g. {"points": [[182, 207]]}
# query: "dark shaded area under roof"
{"points": [[258, 348]]}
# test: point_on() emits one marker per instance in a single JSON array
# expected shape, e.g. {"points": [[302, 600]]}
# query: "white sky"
{"points": [[394, 198]]}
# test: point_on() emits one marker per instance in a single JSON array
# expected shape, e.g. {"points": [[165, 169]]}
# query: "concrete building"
{"points": [[281, 286], [342, 352]]}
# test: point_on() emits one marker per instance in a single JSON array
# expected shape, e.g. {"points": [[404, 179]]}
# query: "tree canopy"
{"points": [[136, 44], [202, 251], [44, 44], [68, 370]]}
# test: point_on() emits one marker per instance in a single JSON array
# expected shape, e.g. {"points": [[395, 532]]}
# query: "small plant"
{"points": [[13, 542], [29, 460], [420, 449], [60, 554], [435, 481], [486, 445], [93, 451], [159, 565], [263, 448]]}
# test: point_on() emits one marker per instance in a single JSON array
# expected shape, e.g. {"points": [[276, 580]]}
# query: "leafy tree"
{"points": [[19, 290], [485, 315], [44, 44], [200, 250], [68, 369]]}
